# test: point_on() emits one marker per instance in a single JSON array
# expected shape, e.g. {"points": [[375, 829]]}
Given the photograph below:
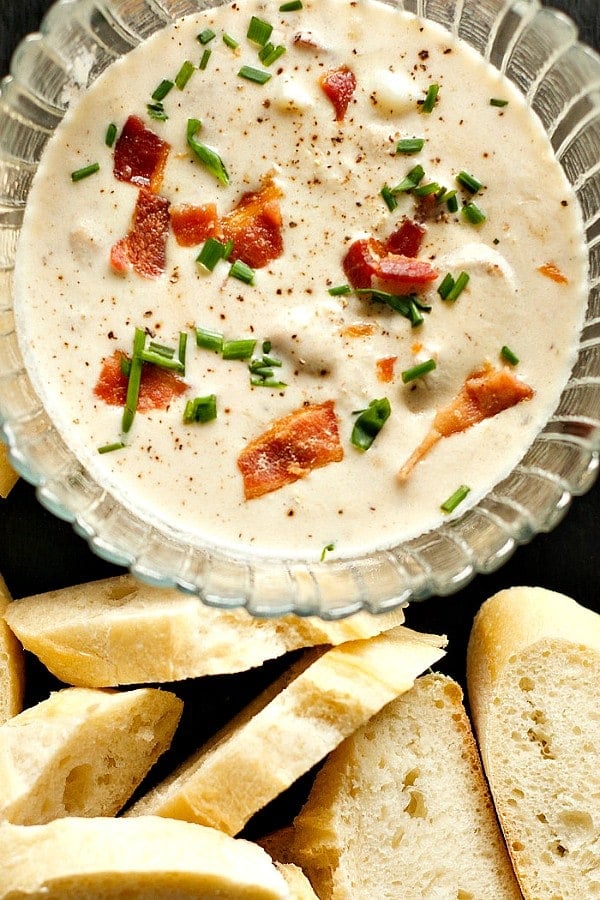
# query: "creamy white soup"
{"points": [[355, 207]]}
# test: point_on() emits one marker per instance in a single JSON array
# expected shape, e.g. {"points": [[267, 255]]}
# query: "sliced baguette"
{"points": [[146, 858], [533, 674], [82, 752], [298, 884], [289, 728], [12, 664], [8, 476], [119, 631], [401, 809]]}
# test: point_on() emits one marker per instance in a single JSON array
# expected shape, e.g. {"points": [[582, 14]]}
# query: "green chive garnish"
{"points": [[389, 197], [242, 272], [495, 101], [111, 134], [339, 290], [452, 203], [209, 340], [259, 31], [411, 181], [109, 448], [328, 548], [200, 409], [369, 423], [457, 497], [157, 111], [230, 42], [291, 6], [135, 377], [426, 190], [258, 76], [204, 60], [238, 349], [430, 98], [446, 286], [184, 74], [473, 214], [206, 36], [270, 54], [510, 357], [408, 306], [181, 348], [458, 286], [418, 371], [211, 160], [469, 182], [212, 251], [163, 89], [410, 145], [85, 172]]}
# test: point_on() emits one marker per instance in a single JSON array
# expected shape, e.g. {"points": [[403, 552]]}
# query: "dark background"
{"points": [[39, 552]]}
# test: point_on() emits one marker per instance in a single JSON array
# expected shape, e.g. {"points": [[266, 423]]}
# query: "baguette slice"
{"points": [[534, 683], [8, 476], [289, 728], [146, 858], [12, 664], [82, 752], [298, 884], [401, 809], [120, 631]]}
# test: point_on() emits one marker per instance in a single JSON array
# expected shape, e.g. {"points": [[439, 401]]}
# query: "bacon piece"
{"points": [[339, 85], [145, 247], [140, 155], [360, 262], [194, 224], [254, 226], [551, 271], [385, 369], [158, 387], [290, 449], [484, 394], [368, 261], [406, 240]]}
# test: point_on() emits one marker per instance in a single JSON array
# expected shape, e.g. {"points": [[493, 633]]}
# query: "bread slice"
{"points": [[82, 752], [298, 884], [289, 728], [12, 664], [401, 809], [119, 631], [146, 858], [534, 686], [8, 476]]}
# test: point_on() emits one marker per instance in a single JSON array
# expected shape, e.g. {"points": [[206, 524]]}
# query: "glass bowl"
{"points": [[538, 50]]}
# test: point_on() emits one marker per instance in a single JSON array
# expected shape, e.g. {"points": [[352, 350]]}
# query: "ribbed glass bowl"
{"points": [[538, 50]]}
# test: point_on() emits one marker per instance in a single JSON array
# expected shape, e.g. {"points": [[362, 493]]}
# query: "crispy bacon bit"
{"points": [[406, 240], [368, 261], [360, 329], [145, 247], [158, 386], [290, 449], [140, 155], [385, 369], [254, 226], [550, 270], [194, 224], [339, 85], [485, 393]]}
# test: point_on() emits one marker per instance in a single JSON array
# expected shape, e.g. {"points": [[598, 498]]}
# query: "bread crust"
{"points": [[12, 663]]}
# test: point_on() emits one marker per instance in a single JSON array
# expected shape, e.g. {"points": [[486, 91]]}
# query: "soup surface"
{"points": [[299, 215]]}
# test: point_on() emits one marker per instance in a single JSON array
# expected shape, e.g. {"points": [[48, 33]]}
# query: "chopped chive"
{"points": [[369, 423], [455, 499], [426, 190], [267, 346], [458, 287], [257, 381], [410, 145], [168, 352], [291, 6], [446, 286], [258, 76], [410, 182], [389, 197], [163, 89], [204, 59], [135, 377], [444, 195], [125, 366], [184, 74], [181, 348], [418, 371], [339, 290], [228, 250], [209, 340], [495, 101], [85, 172], [208, 157], [162, 361], [259, 31], [206, 36], [157, 111], [238, 349], [328, 548], [242, 272], [408, 306], [270, 54], [200, 409], [452, 203], [212, 251], [111, 134], [430, 98], [230, 42], [109, 448], [473, 214], [469, 182], [509, 356]]}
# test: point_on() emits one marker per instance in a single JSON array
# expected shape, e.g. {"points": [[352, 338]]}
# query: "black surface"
{"points": [[39, 552]]}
